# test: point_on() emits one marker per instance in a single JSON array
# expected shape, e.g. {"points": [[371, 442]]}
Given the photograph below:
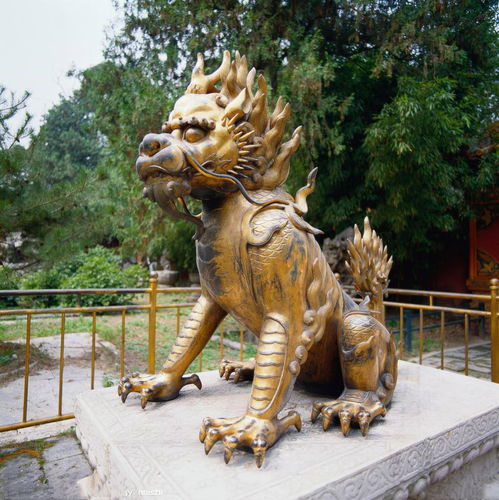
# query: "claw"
{"points": [[326, 422], [237, 375], [316, 410], [202, 433], [260, 457], [379, 410], [228, 371], [364, 422], [345, 418], [210, 440], [259, 447], [120, 390], [228, 451], [208, 445], [297, 420], [144, 396], [193, 379], [230, 443], [124, 395]]}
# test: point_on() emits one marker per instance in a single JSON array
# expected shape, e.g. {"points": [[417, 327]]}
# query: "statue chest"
{"points": [[219, 260]]}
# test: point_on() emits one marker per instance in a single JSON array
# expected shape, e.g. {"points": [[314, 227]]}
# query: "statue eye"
{"points": [[194, 134]]}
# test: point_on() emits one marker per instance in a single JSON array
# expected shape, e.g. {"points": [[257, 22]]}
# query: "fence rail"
{"points": [[489, 311]]}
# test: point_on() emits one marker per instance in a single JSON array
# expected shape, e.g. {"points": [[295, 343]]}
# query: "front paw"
{"points": [[158, 387], [361, 407], [243, 370], [245, 432]]}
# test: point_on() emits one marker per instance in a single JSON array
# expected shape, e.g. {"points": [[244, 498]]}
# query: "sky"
{"points": [[41, 40]]}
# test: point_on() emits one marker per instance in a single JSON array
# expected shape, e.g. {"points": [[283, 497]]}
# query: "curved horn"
{"points": [[203, 84]]}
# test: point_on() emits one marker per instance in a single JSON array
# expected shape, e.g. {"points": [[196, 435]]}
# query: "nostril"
{"points": [[150, 145], [149, 148]]}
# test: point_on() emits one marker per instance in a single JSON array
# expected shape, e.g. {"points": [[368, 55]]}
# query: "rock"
{"points": [[167, 277], [335, 251]]}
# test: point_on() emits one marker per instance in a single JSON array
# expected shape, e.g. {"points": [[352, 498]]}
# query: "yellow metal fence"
{"points": [[486, 307]]}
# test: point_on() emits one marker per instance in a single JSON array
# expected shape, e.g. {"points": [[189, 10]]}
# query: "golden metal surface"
{"points": [[222, 335], [466, 343], [494, 328], [26, 366], [92, 361], [401, 334], [241, 342], [61, 364], [153, 284], [421, 315], [122, 344], [259, 261], [370, 266], [442, 339], [31, 423]]}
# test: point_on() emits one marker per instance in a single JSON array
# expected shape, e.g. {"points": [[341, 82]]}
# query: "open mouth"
{"points": [[169, 192]]}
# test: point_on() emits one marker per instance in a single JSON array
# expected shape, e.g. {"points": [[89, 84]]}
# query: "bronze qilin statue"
{"points": [[259, 262]]}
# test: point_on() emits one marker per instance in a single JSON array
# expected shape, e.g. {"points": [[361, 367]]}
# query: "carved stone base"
{"points": [[439, 439]]}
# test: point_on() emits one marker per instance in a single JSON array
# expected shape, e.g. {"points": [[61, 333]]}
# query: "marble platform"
{"points": [[439, 440]]}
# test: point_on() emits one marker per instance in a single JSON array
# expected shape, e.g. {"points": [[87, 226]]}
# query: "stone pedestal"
{"points": [[439, 439]]}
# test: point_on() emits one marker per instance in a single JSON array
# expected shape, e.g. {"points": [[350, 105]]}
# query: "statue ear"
{"points": [[239, 107]]}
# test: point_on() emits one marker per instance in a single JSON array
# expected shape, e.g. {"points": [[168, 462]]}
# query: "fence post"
{"points": [[494, 330], [153, 287], [408, 329]]}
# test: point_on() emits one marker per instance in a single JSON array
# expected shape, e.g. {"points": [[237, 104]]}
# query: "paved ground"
{"points": [[454, 360], [44, 469], [40, 462], [43, 385], [35, 466]]}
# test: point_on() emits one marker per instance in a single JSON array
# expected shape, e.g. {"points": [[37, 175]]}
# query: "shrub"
{"points": [[39, 280], [49, 279], [101, 268], [9, 280]]}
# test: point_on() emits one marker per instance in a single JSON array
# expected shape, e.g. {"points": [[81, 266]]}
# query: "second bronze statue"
{"points": [[259, 262]]}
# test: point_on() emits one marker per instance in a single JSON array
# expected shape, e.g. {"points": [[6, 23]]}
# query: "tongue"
{"points": [[165, 197]]}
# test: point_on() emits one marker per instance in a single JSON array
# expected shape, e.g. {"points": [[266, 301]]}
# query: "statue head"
{"points": [[219, 138]]}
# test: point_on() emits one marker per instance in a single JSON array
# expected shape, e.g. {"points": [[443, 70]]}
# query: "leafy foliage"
{"points": [[418, 136], [101, 268], [394, 97], [8, 281], [10, 106], [49, 191], [98, 268]]}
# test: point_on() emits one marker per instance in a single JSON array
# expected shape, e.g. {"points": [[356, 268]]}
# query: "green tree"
{"points": [[126, 106], [10, 106], [369, 81], [49, 191]]}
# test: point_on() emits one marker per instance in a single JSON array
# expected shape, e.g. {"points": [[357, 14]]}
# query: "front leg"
{"points": [[273, 380], [369, 366], [204, 318], [294, 288]]}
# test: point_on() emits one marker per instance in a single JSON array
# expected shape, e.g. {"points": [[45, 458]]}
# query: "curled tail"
{"points": [[369, 265]]}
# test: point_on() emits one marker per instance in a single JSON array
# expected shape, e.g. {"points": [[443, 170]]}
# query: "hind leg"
{"points": [[243, 370], [369, 366]]}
